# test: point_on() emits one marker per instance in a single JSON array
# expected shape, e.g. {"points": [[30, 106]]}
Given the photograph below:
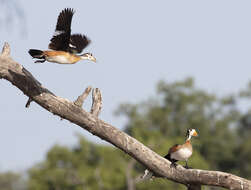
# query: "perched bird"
{"points": [[64, 46], [182, 152], [177, 153]]}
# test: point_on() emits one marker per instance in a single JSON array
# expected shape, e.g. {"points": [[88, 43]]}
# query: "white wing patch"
{"points": [[58, 32], [72, 46]]}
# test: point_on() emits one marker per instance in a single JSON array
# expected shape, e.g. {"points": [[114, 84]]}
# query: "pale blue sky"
{"points": [[136, 43]]}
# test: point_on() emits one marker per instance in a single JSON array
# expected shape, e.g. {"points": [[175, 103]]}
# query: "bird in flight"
{"points": [[65, 47]]}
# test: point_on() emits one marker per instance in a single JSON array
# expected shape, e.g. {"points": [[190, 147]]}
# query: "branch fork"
{"points": [[96, 100]]}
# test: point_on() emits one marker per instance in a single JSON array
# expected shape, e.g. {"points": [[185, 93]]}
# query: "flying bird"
{"points": [[177, 153], [65, 47]]}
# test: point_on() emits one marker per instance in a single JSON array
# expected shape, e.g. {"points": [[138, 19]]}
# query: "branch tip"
{"points": [[96, 102], [6, 50], [27, 105]]}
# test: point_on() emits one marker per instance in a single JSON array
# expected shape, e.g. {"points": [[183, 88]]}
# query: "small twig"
{"points": [[96, 102], [80, 100], [28, 102]]}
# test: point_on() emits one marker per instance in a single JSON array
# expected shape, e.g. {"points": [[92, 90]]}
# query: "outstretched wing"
{"points": [[61, 37], [78, 42]]}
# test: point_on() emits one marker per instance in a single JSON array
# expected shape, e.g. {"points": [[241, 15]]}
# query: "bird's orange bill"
{"points": [[195, 134]]}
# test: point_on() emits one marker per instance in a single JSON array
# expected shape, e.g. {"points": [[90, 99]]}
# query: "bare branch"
{"points": [[80, 100], [6, 50], [96, 102], [22, 79]]}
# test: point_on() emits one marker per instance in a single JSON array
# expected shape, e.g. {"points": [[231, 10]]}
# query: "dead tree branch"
{"points": [[22, 79], [96, 102], [80, 100]]}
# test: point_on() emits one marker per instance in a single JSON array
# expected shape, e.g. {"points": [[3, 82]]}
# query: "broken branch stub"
{"points": [[80, 100], [96, 102]]}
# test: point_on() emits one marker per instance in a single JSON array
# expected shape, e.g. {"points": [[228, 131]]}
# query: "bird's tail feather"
{"points": [[168, 157], [35, 53]]}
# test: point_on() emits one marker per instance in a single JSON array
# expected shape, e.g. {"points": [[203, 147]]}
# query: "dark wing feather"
{"points": [[58, 42], [61, 38], [78, 42], [174, 148], [64, 20]]}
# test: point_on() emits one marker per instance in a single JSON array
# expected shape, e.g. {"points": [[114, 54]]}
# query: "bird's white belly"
{"points": [[181, 154], [58, 59]]}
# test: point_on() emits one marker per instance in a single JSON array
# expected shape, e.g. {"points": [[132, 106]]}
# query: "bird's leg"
{"points": [[186, 165], [40, 61]]}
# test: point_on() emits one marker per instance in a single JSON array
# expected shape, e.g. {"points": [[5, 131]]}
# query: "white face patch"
{"points": [[181, 154], [192, 131]]}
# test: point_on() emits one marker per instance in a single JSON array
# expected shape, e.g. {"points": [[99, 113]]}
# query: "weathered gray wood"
{"points": [[80, 100], [96, 102], [22, 79]]}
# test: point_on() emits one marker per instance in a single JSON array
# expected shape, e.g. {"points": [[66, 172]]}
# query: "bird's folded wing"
{"points": [[174, 148]]}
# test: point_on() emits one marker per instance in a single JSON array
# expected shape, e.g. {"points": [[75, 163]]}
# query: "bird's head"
{"points": [[191, 133], [88, 56]]}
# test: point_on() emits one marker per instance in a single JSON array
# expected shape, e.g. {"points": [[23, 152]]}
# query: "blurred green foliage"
{"points": [[12, 181], [224, 142]]}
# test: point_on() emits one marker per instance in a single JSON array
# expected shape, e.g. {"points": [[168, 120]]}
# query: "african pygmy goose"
{"points": [[177, 153], [64, 45], [182, 152]]}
